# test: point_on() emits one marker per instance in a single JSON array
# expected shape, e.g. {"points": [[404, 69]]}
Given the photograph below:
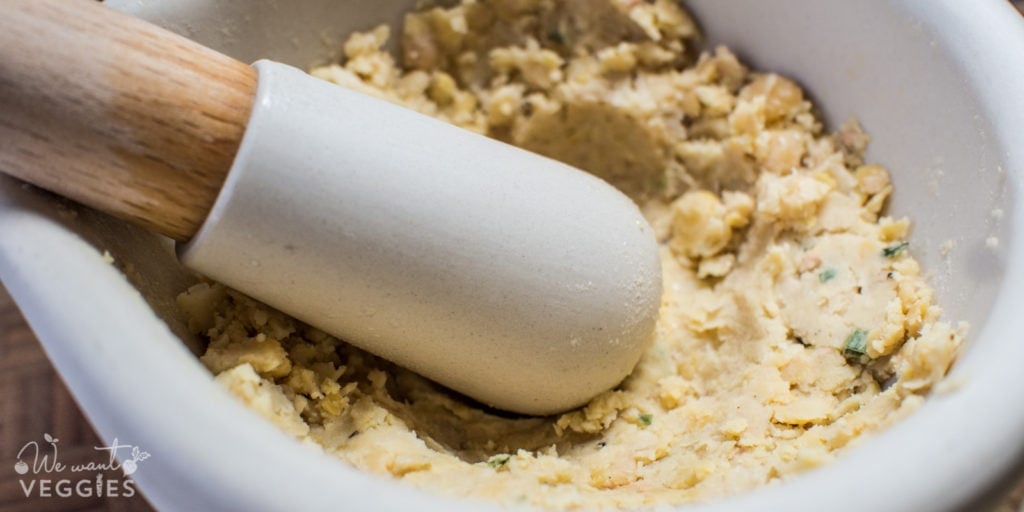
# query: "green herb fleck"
{"points": [[556, 36], [660, 183], [856, 346], [645, 419], [827, 275], [895, 250], [499, 460]]}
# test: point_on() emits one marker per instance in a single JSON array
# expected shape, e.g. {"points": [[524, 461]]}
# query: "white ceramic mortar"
{"points": [[937, 84]]}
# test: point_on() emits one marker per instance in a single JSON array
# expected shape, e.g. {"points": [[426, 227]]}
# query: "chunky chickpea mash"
{"points": [[795, 319]]}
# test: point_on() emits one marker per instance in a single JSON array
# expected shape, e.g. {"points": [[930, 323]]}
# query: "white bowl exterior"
{"points": [[938, 86]]}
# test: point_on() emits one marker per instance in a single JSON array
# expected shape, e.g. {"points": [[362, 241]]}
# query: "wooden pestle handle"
{"points": [[118, 114]]}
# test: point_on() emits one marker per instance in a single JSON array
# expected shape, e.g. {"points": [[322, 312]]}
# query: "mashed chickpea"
{"points": [[794, 321]]}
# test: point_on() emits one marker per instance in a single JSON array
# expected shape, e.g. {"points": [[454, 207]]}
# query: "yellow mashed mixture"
{"points": [[794, 319]]}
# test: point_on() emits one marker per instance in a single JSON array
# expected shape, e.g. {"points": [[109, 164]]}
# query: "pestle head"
{"points": [[519, 281]]}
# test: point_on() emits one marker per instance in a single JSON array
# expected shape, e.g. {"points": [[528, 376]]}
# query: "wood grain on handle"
{"points": [[116, 113]]}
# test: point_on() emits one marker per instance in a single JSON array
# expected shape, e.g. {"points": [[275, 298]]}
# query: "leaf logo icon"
{"points": [[131, 465]]}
